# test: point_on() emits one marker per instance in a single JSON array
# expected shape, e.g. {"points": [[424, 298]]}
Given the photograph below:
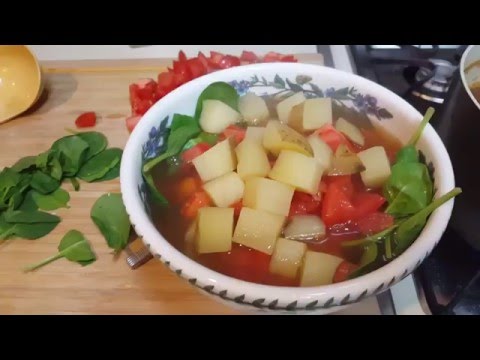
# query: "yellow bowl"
{"points": [[20, 80]]}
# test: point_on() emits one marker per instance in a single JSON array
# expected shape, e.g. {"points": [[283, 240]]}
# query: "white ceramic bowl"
{"points": [[394, 114]]}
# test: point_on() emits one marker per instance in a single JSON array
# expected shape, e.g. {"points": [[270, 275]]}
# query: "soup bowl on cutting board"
{"points": [[287, 188]]}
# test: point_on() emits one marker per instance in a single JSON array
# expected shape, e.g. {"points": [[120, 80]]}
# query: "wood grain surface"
{"points": [[108, 286]]}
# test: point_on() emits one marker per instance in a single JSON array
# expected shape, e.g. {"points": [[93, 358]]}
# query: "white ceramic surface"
{"points": [[472, 76], [321, 299]]}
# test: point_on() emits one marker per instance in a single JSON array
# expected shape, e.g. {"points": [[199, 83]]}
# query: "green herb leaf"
{"points": [[154, 193], [370, 239], [28, 204], [73, 247], [416, 136], [44, 183], [57, 199], [203, 137], [408, 189], [24, 163], [113, 173], [111, 218], [99, 165], [73, 152], [217, 91], [30, 217], [409, 229], [97, 142]]}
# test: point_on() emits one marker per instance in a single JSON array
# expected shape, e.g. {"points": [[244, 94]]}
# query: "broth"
{"points": [[242, 262]]}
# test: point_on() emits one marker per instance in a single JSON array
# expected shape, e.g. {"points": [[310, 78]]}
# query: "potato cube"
{"points": [[318, 269], [258, 229], [252, 159], [300, 171], [268, 195], [214, 230], [285, 107], [225, 190], [350, 131], [253, 109], [377, 166], [321, 151], [216, 116], [254, 133], [215, 162], [280, 137], [287, 257], [316, 113]]}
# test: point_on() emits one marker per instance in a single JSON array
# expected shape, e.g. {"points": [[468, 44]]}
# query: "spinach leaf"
{"points": [[55, 200], [49, 163], [217, 91], [375, 238], [28, 204], [409, 189], [44, 183], [73, 247], [99, 165], [408, 230], [183, 129], [24, 163], [97, 142], [110, 216], [30, 217], [368, 259], [113, 173], [72, 151], [8, 179], [156, 195]]}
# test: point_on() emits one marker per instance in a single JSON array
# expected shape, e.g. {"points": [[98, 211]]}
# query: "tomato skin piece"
{"points": [[197, 150], [343, 271], [333, 138], [88, 119], [374, 223]]}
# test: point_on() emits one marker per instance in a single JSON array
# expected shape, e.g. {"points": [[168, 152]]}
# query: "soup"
{"points": [[286, 191], [473, 71]]}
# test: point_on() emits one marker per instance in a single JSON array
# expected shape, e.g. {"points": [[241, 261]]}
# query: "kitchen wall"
{"points": [[81, 52]]}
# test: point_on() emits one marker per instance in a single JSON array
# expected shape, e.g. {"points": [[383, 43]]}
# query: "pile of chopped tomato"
{"points": [[146, 92]]}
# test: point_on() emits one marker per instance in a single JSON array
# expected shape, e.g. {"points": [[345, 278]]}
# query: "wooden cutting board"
{"points": [[108, 286]]}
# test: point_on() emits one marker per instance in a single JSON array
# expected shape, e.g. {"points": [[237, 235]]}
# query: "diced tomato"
{"points": [[367, 203], [249, 57], [246, 264], [88, 119], [196, 68], [374, 223], [237, 207], [229, 61], [143, 95], [197, 150], [333, 138], [272, 57], [343, 271], [194, 203], [303, 204], [336, 205], [180, 70], [203, 59], [131, 122], [166, 81], [236, 132], [181, 56], [288, 58], [215, 59]]}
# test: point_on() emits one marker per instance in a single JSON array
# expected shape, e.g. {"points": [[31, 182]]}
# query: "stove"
{"points": [[428, 75]]}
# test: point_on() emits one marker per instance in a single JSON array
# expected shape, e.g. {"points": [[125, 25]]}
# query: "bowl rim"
{"points": [[463, 64], [368, 284]]}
